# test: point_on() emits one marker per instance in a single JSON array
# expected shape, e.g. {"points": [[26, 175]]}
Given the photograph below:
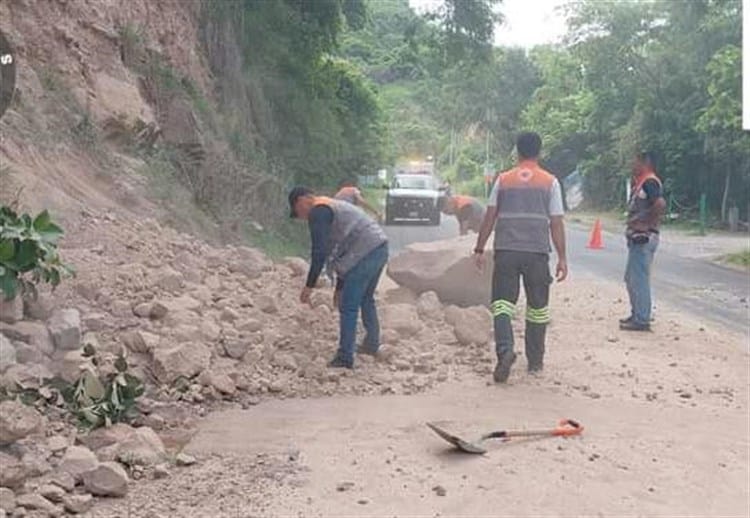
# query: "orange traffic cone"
{"points": [[595, 241]]}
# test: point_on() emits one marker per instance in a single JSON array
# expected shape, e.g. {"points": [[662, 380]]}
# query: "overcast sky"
{"points": [[527, 22]]}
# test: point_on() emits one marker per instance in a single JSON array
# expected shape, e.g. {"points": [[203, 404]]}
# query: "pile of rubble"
{"points": [[202, 326]]}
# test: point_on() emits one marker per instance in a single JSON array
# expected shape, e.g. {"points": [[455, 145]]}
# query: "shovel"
{"points": [[566, 428]]}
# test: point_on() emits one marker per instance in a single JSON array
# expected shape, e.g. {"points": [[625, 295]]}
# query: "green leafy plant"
{"points": [[28, 252], [101, 401]]}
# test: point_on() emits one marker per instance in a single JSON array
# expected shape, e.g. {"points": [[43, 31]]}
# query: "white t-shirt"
{"points": [[555, 199]]}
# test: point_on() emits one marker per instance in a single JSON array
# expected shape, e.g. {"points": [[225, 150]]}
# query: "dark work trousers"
{"points": [[510, 266]]}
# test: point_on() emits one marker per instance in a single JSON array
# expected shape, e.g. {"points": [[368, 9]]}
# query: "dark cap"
{"points": [[294, 195]]}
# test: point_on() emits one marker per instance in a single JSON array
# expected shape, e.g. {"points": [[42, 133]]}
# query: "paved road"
{"points": [[697, 287]]}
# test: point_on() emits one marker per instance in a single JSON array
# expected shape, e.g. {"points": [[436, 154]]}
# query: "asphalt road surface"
{"points": [[699, 288]]}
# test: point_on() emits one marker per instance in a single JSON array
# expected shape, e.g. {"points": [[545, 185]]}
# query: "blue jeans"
{"points": [[358, 291], [638, 278]]}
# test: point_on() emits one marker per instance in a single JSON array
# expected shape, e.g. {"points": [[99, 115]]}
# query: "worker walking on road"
{"points": [[350, 193], [525, 205], [468, 211], [357, 249], [645, 210]]}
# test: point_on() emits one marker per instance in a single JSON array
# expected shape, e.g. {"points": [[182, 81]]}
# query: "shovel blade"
{"points": [[462, 445]]}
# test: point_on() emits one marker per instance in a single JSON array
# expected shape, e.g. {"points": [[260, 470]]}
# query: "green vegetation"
{"points": [[28, 253], [647, 74], [97, 400], [739, 258]]}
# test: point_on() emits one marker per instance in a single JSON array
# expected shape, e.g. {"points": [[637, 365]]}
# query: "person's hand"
{"points": [[336, 299], [304, 296], [479, 260], [561, 271]]}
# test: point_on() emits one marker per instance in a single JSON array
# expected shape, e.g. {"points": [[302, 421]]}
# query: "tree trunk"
{"points": [[725, 197]]}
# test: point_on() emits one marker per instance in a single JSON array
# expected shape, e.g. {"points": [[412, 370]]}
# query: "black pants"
{"points": [[510, 266]]}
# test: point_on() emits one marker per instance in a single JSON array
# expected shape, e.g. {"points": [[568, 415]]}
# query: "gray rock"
{"points": [[107, 479], [429, 307], [11, 311], [161, 471], [17, 421], [13, 473], [402, 318], [35, 501], [143, 447], [95, 321], [473, 325], [65, 328], [78, 504], [77, 461], [62, 479], [26, 353], [31, 333], [183, 459], [140, 341], [187, 360], [71, 365], [297, 265], [236, 348], [7, 353], [7, 499], [170, 280], [267, 304], [52, 492], [39, 308], [25, 377]]}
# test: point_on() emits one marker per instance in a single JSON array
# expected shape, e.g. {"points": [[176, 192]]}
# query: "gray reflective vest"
{"points": [[523, 216], [354, 234]]}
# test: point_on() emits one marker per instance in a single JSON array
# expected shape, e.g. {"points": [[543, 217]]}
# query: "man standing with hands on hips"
{"points": [[525, 206], [357, 250]]}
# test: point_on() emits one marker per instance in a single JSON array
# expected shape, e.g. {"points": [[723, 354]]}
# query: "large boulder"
{"points": [[65, 327], [17, 421], [446, 268], [184, 360]]}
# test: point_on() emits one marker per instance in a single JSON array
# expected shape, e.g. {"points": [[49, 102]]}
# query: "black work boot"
{"points": [[634, 326], [502, 369]]}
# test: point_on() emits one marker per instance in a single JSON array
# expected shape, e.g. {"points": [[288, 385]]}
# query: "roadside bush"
{"points": [[28, 253]]}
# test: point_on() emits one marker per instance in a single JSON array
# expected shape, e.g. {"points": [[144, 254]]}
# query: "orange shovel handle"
{"points": [[567, 428]]}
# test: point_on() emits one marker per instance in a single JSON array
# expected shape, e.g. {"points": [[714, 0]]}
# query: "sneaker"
{"points": [[502, 369], [338, 363], [634, 326], [535, 370], [626, 320], [367, 350]]}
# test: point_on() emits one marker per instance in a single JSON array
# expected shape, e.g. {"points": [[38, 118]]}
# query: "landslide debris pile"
{"points": [[203, 326]]}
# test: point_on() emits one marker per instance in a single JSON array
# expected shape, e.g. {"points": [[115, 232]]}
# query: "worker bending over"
{"points": [[357, 250], [350, 193], [468, 211]]}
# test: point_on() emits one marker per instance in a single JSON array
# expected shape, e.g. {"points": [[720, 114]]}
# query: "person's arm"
{"points": [[319, 221], [557, 230], [658, 204], [464, 218]]}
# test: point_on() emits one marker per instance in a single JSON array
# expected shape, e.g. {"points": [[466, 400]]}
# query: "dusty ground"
{"points": [[666, 418]]}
